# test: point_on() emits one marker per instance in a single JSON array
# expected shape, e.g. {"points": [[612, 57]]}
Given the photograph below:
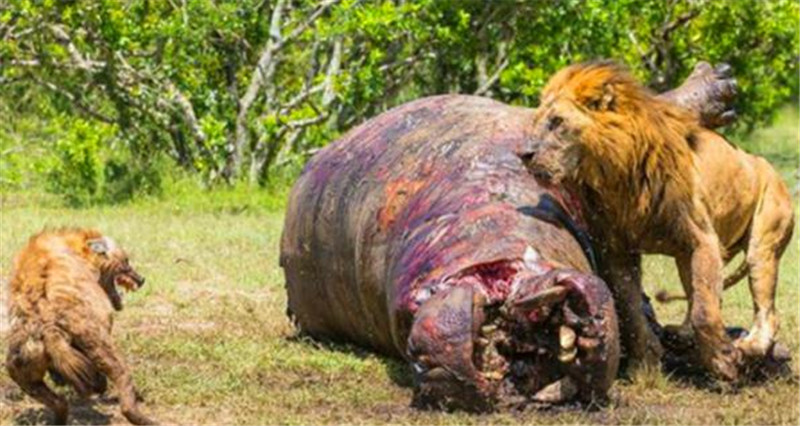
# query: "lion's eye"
{"points": [[593, 104], [553, 122]]}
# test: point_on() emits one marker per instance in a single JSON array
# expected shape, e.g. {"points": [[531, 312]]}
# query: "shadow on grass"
{"points": [[80, 412], [756, 374], [680, 364], [398, 370]]}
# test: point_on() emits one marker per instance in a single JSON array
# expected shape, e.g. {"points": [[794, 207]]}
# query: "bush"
{"points": [[78, 173], [88, 170]]}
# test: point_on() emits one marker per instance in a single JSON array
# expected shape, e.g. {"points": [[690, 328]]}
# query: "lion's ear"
{"points": [[605, 102]]}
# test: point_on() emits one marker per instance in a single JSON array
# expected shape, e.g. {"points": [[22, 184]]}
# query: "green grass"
{"points": [[209, 343]]}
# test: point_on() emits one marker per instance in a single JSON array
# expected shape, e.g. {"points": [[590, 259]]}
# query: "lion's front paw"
{"points": [[725, 363], [751, 347]]}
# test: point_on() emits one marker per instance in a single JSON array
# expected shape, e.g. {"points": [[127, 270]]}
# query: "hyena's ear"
{"points": [[98, 245]]}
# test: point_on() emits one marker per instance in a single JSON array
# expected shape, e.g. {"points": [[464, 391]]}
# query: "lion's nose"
{"points": [[530, 153]]}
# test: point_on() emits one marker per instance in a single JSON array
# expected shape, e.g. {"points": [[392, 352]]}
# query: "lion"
{"points": [[640, 167], [752, 213], [63, 292]]}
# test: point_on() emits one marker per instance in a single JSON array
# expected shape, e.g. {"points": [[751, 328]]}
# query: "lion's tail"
{"points": [[68, 361], [741, 271]]}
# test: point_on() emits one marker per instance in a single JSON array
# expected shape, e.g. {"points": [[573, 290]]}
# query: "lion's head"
{"points": [[596, 125]]}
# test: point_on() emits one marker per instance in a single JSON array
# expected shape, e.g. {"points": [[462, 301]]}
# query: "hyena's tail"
{"points": [[70, 363]]}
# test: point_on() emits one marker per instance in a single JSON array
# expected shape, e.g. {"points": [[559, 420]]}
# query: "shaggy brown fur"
{"points": [[62, 295], [631, 158]]}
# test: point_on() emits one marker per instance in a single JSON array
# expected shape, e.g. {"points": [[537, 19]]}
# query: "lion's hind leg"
{"points": [[27, 364], [771, 232]]}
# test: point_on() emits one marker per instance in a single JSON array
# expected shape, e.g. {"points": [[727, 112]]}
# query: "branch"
{"points": [[411, 60], [644, 55], [305, 24], [131, 89], [265, 69], [300, 98], [299, 124], [189, 116], [78, 59], [263, 66], [659, 52], [74, 100], [493, 79], [682, 20], [24, 63], [333, 70]]}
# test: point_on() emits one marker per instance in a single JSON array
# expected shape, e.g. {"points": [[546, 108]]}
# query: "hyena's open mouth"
{"points": [[128, 281]]}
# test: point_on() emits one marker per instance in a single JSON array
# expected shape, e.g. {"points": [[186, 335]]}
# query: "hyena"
{"points": [[63, 292]]}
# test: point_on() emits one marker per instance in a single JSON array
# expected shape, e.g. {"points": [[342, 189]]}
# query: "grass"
{"points": [[209, 343]]}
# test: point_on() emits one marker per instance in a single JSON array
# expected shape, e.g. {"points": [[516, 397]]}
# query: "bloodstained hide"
{"points": [[421, 234]]}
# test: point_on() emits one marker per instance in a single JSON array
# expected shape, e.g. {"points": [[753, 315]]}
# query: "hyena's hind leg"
{"points": [[27, 364], [99, 384], [96, 344]]}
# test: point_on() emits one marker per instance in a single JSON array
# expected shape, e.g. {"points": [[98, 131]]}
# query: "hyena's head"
{"points": [[115, 269]]}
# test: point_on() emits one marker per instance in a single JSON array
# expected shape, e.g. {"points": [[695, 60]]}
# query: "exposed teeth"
{"points": [[566, 337], [567, 356], [558, 391], [488, 329], [493, 375]]}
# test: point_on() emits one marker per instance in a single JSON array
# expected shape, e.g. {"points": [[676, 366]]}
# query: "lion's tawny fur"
{"points": [[637, 146], [634, 161]]}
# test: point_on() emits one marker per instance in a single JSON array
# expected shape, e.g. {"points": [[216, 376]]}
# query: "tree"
{"points": [[237, 89]]}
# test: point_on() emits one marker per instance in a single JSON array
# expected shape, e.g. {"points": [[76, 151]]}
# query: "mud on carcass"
{"points": [[420, 234]]}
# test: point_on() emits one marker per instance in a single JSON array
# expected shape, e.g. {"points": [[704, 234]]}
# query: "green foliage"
{"points": [[78, 172], [778, 143], [84, 167], [26, 139], [181, 80], [125, 178]]}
